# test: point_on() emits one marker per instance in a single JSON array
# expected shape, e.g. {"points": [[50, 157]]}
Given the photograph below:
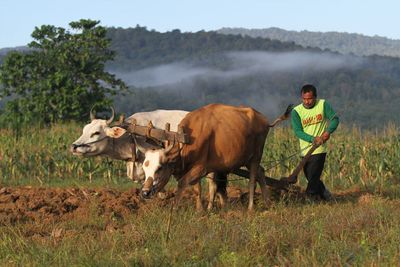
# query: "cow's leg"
{"points": [[212, 189], [197, 190], [217, 187], [253, 176], [261, 182], [129, 170], [193, 176], [221, 181]]}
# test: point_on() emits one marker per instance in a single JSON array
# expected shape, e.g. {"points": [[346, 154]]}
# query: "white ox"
{"points": [[95, 142]]}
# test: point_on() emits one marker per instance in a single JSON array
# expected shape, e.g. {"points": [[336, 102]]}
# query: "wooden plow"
{"points": [[283, 182]]}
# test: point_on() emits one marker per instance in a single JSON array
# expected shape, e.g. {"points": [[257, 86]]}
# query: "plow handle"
{"points": [[292, 179]]}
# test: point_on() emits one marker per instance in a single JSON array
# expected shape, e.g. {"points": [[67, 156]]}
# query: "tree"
{"points": [[62, 76]]}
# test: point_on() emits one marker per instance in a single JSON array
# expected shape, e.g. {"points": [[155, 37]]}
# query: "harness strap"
{"points": [[133, 148]]}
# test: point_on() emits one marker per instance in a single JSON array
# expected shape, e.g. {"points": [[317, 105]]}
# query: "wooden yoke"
{"points": [[149, 128], [158, 134]]}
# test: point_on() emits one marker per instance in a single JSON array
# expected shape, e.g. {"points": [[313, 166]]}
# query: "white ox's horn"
{"points": [[92, 114], [110, 120], [141, 148]]}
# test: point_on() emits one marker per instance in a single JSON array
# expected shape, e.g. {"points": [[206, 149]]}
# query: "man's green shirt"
{"points": [[308, 123]]}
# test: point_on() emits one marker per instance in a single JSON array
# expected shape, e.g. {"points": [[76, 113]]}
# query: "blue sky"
{"points": [[18, 18]]}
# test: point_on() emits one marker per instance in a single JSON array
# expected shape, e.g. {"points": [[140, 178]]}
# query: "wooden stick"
{"points": [[284, 181], [268, 180], [169, 221], [292, 179]]}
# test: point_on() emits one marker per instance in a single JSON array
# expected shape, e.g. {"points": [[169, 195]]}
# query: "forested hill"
{"points": [[176, 70], [342, 42], [138, 47], [187, 70]]}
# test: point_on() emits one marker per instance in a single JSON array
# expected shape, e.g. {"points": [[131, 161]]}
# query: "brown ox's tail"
{"points": [[283, 117]]}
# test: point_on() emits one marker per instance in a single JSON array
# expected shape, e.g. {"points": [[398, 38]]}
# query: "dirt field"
{"points": [[23, 204], [71, 226], [49, 205]]}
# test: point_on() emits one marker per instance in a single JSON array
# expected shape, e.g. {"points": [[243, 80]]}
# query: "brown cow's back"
{"points": [[224, 137]]}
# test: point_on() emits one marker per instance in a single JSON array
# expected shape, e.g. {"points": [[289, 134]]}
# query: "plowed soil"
{"points": [[24, 204], [52, 205], [21, 204]]}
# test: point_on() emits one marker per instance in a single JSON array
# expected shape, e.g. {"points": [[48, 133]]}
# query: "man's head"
{"points": [[309, 95]]}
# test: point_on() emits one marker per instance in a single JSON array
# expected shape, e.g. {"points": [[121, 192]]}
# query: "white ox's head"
{"points": [[94, 140]]}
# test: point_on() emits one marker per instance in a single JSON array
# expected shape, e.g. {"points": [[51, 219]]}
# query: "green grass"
{"points": [[361, 229], [347, 233], [41, 157]]}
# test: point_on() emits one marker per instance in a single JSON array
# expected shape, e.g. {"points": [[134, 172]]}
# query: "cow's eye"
{"points": [[94, 134]]}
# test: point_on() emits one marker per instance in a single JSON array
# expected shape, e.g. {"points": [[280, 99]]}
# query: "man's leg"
{"points": [[313, 170]]}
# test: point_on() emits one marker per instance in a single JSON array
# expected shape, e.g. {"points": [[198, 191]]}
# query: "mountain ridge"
{"points": [[342, 42]]}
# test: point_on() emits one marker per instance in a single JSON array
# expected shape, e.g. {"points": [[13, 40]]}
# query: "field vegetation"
{"points": [[359, 227]]}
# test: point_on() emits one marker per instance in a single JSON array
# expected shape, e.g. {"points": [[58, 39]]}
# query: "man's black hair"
{"points": [[309, 88]]}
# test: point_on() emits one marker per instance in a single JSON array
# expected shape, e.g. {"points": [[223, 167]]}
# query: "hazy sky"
{"points": [[369, 17]]}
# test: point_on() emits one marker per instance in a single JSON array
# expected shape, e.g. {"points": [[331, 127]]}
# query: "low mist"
{"points": [[265, 81], [239, 64]]}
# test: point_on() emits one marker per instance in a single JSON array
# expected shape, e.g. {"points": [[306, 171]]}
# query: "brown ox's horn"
{"points": [[110, 120], [92, 114], [169, 148], [141, 148]]}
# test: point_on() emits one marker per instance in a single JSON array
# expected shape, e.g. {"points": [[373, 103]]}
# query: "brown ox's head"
{"points": [[158, 167]]}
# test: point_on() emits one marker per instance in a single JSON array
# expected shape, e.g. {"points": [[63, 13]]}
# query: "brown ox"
{"points": [[222, 138]]}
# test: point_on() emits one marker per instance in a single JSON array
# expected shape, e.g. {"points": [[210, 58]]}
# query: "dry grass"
{"points": [[360, 228]]}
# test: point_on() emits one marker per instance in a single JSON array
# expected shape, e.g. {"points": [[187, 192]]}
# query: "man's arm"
{"points": [[331, 116], [333, 119], [298, 128]]}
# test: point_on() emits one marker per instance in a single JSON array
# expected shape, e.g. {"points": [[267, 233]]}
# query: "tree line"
{"points": [[65, 73], [345, 43]]}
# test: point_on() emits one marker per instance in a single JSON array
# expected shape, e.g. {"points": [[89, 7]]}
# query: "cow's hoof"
{"points": [[146, 194]]}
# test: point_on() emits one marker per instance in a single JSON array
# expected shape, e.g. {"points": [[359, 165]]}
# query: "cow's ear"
{"points": [[115, 132]]}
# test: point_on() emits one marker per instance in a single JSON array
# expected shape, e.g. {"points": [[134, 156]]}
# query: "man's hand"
{"points": [[325, 136], [318, 140]]}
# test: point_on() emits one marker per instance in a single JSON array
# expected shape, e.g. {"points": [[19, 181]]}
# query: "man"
{"points": [[310, 124]]}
